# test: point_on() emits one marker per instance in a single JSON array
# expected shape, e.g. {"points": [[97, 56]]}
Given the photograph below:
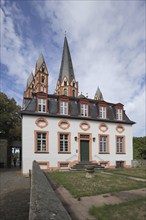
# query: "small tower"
{"points": [[41, 76], [66, 84], [98, 95]]}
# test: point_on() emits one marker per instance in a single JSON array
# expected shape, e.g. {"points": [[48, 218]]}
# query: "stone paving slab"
{"points": [[14, 195]]}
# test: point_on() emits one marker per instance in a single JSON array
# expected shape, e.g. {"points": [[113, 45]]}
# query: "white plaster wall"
{"points": [[28, 155]]}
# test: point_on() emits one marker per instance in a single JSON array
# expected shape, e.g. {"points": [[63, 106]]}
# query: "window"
{"points": [[64, 108], [119, 114], [65, 83], [84, 110], [102, 112], [41, 105], [41, 142], [63, 142], [73, 93], [63, 165], [65, 92], [120, 144], [43, 79], [103, 144]]}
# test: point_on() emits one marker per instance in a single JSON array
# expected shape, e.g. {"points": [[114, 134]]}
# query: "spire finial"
{"points": [[65, 33]]}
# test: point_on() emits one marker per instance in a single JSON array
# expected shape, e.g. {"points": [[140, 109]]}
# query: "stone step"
{"points": [[81, 165]]}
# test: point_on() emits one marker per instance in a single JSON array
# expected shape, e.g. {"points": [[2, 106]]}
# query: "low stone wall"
{"points": [[44, 204], [139, 163], [3, 153]]}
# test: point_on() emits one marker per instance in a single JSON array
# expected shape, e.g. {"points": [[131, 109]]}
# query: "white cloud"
{"points": [[107, 46], [18, 54], [106, 40]]}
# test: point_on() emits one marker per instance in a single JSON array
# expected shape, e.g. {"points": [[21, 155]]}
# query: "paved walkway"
{"points": [[14, 195], [129, 177]]}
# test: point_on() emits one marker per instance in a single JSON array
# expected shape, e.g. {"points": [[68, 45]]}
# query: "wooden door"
{"points": [[84, 150]]}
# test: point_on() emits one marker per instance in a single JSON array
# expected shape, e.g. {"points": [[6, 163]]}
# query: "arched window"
{"points": [[65, 83], [73, 93], [65, 92], [43, 79]]}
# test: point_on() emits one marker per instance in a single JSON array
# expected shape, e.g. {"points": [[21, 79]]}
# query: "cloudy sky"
{"points": [[106, 40]]}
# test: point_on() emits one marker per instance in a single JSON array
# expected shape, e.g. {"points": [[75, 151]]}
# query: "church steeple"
{"points": [[41, 75], [98, 95], [66, 84], [39, 81]]}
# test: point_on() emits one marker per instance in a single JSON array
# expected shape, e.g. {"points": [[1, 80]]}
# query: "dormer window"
{"points": [[43, 68], [102, 112], [65, 92], [84, 110], [41, 105], [65, 83], [64, 108], [119, 113]]}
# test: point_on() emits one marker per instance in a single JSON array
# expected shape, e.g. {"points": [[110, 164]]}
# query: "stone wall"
{"points": [[3, 152], [44, 204], [139, 163]]}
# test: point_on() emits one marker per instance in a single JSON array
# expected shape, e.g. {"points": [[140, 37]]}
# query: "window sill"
{"points": [[64, 152], [104, 153], [41, 152], [120, 153]]}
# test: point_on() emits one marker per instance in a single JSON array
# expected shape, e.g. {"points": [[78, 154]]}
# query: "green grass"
{"points": [[80, 186], [131, 210], [135, 172]]}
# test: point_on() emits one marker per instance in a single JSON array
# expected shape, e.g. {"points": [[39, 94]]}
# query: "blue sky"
{"points": [[106, 40]]}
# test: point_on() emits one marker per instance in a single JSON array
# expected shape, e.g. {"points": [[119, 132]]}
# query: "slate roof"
{"points": [[39, 62], [98, 95], [29, 80], [66, 68], [29, 107]]}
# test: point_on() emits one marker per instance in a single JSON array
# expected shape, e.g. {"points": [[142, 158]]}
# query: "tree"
{"points": [[139, 147], [10, 119]]}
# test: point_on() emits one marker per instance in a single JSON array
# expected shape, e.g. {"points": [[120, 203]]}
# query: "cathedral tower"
{"points": [[39, 81], [66, 84], [41, 75]]}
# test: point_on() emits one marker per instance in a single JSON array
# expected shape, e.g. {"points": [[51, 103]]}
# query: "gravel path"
{"points": [[14, 195]]}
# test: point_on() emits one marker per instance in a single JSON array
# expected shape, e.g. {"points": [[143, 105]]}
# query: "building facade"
{"points": [[62, 129]]}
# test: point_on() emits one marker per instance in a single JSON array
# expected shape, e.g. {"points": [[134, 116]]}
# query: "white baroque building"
{"points": [[64, 130]]}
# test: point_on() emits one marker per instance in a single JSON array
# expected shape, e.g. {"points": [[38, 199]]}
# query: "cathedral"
{"points": [[64, 130]]}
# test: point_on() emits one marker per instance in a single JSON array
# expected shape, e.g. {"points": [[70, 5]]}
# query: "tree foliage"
{"points": [[139, 147], [10, 119]]}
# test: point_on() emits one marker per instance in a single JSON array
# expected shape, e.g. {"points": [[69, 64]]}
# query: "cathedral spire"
{"points": [[66, 84], [98, 95], [40, 62], [41, 75], [66, 69]]}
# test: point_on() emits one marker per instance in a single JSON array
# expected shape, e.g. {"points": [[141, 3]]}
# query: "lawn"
{"points": [[135, 172], [131, 210], [80, 186]]}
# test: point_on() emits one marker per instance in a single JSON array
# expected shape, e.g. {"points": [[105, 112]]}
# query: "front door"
{"points": [[84, 150]]}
